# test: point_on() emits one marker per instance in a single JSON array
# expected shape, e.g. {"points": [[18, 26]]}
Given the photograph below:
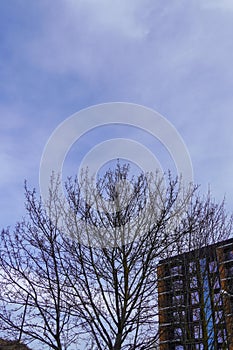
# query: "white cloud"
{"points": [[123, 17], [86, 36], [217, 4], [174, 57]]}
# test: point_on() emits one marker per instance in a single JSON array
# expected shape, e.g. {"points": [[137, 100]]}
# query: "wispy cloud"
{"points": [[83, 35], [218, 4], [126, 18], [175, 57]]}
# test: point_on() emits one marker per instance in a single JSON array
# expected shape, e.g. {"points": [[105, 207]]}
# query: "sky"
{"points": [[59, 57]]}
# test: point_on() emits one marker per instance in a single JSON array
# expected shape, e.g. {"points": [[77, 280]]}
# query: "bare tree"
{"points": [[32, 288], [128, 228], [85, 274]]}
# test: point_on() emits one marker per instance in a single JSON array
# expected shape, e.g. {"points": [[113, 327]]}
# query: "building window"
{"points": [[219, 316], [178, 299], [178, 315], [230, 271], [217, 300], [178, 333], [176, 270], [230, 287], [194, 298], [178, 284], [196, 315], [192, 267], [229, 255], [221, 335], [213, 266], [197, 332], [193, 282], [179, 347], [216, 283]]}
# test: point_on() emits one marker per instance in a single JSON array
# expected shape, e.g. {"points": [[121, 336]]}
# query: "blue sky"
{"points": [[57, 57]]}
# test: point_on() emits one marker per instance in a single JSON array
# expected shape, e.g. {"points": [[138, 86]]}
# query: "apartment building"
{"points": [[195, 295]]}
